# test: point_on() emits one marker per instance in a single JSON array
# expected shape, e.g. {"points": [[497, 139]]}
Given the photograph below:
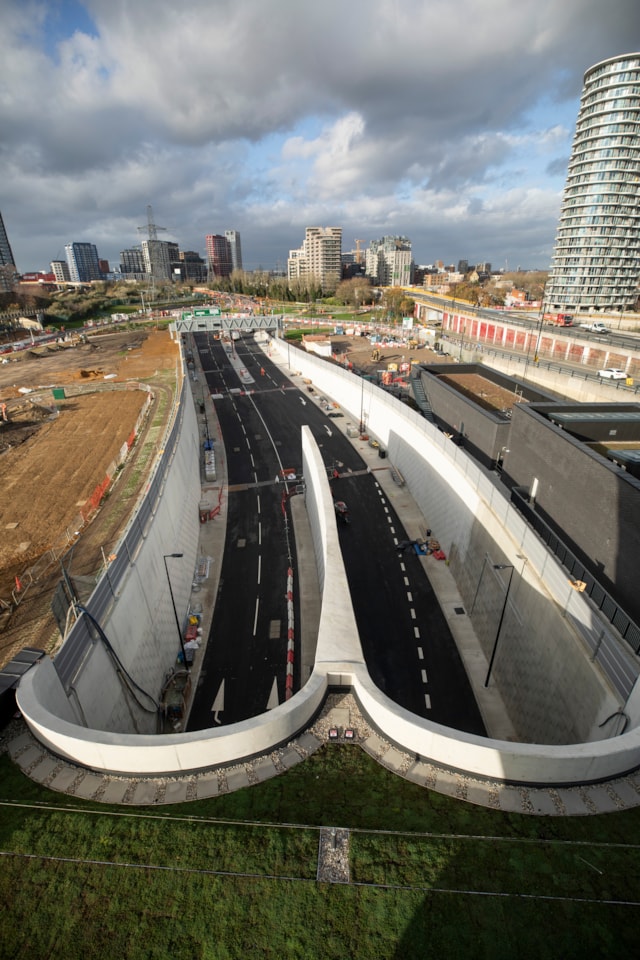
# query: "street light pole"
{"points": [[500, 566], [173, 603], [475, 596]]}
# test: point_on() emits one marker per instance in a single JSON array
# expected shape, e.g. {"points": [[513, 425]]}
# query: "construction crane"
{"points": [[151, 228], [358, 251]]}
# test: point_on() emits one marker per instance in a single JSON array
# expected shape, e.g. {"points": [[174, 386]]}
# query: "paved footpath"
{"points": [[340, 721]]}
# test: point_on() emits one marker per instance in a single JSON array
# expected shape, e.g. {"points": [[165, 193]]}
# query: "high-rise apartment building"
{"points": [[132, 263], [6, 253], [319, 258], [60, 270], [218, 252], [233, 239], [596, 260], [83, 262], [8, 272], [389, 261], [157, 258]]}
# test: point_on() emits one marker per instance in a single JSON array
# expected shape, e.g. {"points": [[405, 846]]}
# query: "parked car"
{"points": [[595, 327], [612, 373]]}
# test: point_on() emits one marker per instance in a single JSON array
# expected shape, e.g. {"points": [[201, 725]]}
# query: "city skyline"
{"points": [[449, 125]]}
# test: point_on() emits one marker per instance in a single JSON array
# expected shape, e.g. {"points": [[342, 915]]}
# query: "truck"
{"points": [[560, 319], [594, 327]]}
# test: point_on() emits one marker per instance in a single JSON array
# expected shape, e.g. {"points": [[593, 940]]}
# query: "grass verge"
{"points": [[235, 877]]}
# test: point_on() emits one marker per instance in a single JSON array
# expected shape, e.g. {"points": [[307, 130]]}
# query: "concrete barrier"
{"points": [[339, 662]]}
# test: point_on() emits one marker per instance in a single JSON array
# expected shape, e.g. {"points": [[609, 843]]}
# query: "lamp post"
{"points": [[500, 566], [165, 557], [475, 596]]}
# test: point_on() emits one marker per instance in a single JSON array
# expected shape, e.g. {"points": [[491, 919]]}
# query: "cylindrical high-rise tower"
{"points": [[596, 260]]}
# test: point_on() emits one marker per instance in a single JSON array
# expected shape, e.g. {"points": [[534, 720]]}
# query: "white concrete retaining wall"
{"points": [[339, 656]]}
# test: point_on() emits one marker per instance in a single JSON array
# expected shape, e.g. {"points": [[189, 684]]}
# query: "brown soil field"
{"points": [[50, 467], [484, 392], [47, 479]]}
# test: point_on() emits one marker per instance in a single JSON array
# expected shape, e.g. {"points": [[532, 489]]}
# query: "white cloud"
{"points": [[446, 123]]}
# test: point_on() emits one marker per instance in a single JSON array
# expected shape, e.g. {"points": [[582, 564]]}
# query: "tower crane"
{"points": [[358, 251]]}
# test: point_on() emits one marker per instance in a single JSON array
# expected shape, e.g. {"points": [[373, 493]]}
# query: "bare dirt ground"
{"points": [[50, 466], [483, 391]]}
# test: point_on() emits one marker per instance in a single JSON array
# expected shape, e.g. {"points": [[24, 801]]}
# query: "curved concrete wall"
{"points": [[339, 661]]}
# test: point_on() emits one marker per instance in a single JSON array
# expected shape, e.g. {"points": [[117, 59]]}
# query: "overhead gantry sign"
{"points": [[210, 319]]}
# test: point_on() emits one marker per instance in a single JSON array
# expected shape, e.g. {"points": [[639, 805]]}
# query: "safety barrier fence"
{"points": [[81, 637]]}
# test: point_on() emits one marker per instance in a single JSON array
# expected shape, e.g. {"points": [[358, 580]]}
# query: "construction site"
{"points": [[79, 420]]}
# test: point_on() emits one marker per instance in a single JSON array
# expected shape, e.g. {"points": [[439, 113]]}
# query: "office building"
{"points": [[319, 258], [389, 261], [233, 239], [83, 262], [596, 260]]}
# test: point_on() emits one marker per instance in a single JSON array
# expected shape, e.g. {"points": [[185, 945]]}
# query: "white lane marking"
{"points": [[427, 700], [259, 567], [258, 499], [259, 534], [424, 676], [218, 703], [393, 529], [406, 581], [255, 619], [420, 653], [273, 700], [413, 613], [402, 566], [253, 463], [409, 597], [416, 632], [386, 509]]}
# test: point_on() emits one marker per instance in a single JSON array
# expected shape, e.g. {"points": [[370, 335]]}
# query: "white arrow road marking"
{"points": [[328, 430], [218, 704], [273, 700], [303, 401]]}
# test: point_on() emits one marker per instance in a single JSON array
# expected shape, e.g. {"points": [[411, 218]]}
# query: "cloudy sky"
{"points": [[449, 123]]}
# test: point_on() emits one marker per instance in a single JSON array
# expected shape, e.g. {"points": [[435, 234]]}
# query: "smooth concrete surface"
{"points": [[445, 748]]}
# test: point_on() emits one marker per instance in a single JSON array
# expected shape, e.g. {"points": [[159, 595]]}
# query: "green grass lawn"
{"points": [[235, 876]]}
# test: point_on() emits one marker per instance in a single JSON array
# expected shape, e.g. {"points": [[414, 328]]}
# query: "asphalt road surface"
{"points": [[408, 647]]}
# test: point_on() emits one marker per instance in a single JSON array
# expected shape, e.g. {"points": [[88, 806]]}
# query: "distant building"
{"points": [[319, 258], [132, 263], [6, 253], [389, 261], [483, 268], [219, 262], [193, 267], [8, 272], [60, 270], [596, 260], [463, 266], [83, 262], [157, 258], [235, 249]]}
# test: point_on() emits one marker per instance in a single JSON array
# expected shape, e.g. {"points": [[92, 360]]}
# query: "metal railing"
{"points": [[81, 638]]}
